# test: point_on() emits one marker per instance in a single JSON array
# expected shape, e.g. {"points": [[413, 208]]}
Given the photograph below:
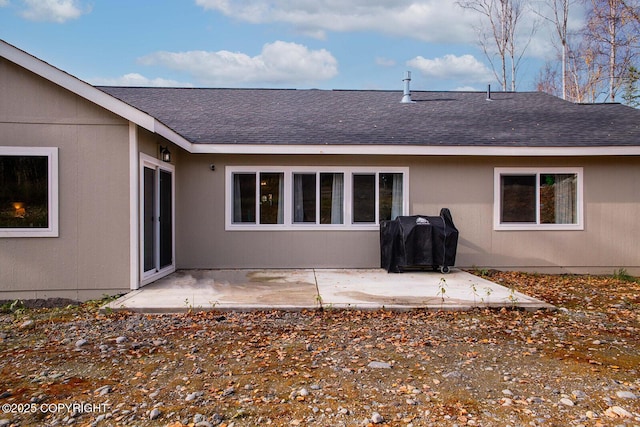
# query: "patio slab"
{"points": [[267, 289]]}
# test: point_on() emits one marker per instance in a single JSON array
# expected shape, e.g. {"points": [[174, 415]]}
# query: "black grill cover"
{"points": [[418, 241]]}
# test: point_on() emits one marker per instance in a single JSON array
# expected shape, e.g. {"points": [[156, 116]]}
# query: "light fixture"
{"points": [[165, 154], [19, 210]]}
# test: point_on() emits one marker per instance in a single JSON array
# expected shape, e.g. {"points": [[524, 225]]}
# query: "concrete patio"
{"points": [[369, 289]]}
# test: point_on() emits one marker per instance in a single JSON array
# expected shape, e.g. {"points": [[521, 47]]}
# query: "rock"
{"points": [[566, 401], [228, 392], [193, 396], [121, 340], [579, 394], [626, 395], [216, 419], [81, 342], [452, 374], [303, 392], [154, 414], [4, 423], [26, 324], [507, 392], [617, 411], [376, 418], [379, 365], [105, 389]]}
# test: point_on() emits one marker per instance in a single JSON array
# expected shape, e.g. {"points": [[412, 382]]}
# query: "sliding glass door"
{"points": [[157, 219]]}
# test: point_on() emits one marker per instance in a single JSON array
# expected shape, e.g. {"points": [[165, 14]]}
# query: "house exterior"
{"points": [[297, 179]]}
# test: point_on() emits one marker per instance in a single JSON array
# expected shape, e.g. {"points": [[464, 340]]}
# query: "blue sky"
{"points": [[325, 44]]}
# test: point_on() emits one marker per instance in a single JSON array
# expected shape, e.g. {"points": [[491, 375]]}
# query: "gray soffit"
{"points": [[346, 117]]}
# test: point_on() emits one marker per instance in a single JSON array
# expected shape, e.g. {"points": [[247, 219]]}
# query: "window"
{"points": [[318, 198], [313, 198], [548, 198], [28, 192]]}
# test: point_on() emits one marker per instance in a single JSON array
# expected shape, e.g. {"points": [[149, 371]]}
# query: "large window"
{"points": [[28, 192], [307, 198], [547, 198]]}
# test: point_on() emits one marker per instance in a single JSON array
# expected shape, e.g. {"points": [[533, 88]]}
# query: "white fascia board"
{"points": [[75, 85], [165, 131], [413, 150]]}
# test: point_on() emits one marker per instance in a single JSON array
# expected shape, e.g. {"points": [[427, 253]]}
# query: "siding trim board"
{"points": [[413, 150]]}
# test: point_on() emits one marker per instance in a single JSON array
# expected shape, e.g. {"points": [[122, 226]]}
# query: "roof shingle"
{"points": [[319, 117]]}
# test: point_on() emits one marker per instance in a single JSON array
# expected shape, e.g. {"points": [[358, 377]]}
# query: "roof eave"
{"points": [[416, 150]]}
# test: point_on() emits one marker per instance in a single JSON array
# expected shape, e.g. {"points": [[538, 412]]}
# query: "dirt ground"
{"points": [[576, 366]]}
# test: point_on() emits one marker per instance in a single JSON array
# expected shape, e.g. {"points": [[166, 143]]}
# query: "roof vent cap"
{"points": [[406, 97]]}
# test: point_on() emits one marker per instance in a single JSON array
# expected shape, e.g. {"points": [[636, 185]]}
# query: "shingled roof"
{"points": [[320, 117]]}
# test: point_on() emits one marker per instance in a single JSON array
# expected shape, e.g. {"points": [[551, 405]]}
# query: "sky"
{"points": [[303, 44]]}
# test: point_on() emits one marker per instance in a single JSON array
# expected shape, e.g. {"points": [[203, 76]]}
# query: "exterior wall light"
{"points": [[165, 154]]}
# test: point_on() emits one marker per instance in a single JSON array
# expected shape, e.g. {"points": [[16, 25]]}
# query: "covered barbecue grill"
{"points": [[418, 241]]}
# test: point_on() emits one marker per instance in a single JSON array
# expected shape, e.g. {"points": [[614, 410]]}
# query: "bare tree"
{"points": [[612, 31], [498, 35], [556, 12], [547, 79], [584, 73]]}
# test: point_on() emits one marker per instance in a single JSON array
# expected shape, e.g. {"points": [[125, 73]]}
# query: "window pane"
{"points": [[304, 198], [149, 220], [390, 193], [271, 200], [518, 198], [244, 197], [558, 198], [331, 198], [364, 198], [24, 192]]}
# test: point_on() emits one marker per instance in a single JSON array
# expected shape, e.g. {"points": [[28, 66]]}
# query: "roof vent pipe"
{"points": [[489, 93], [406, 97]]}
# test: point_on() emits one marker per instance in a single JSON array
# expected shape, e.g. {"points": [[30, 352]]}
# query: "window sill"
{"points": [[302, 227], [538, 227]]}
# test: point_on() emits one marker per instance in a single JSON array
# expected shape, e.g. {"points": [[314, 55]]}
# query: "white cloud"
{"points": [[465, 89], [135, 79], [385, 62], [4, 3], [428, 20], [53, 10], [279, 62], [465, 68]]}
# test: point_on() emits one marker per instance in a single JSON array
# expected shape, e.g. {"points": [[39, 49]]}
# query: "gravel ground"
{"points": [[576, 366]]}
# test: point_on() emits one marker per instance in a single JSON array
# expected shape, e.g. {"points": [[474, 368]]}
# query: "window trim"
{"points": [[497, 207], [289, 224], [52, 192]]}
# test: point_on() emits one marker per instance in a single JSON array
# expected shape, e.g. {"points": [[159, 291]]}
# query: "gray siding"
{"points": [[91, 255], [463, 184]]}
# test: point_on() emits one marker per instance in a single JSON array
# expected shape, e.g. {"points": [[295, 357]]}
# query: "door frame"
{"points": [[147, 161]]}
